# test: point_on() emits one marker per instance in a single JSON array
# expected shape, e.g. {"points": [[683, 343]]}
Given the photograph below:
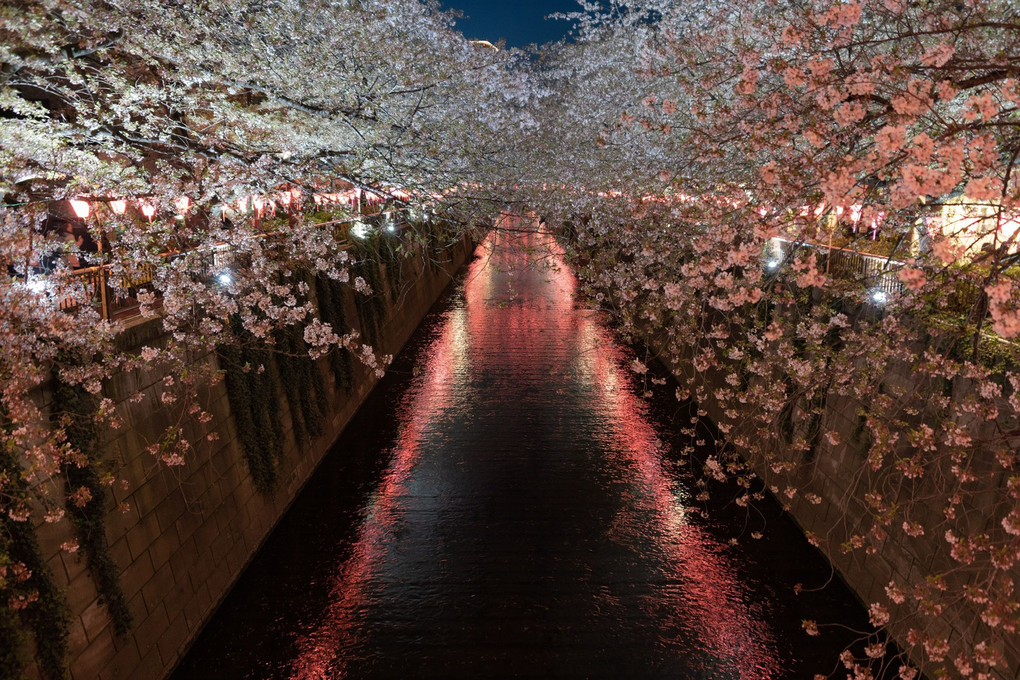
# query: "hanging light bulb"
{"points": [[118, 207]]}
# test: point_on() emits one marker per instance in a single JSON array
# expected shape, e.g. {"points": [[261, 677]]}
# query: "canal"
{"points": [[511, 502]]}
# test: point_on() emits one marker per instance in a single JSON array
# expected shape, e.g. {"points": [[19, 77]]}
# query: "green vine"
{"points": [[303, 384], [289, 368], [394, 270], [254, 402], [85, 495], [31, 604], [371, 308], [330, 294]]}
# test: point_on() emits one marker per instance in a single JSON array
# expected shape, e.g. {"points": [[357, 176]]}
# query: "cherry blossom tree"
{"points": [[747, 142], [174, 128], [805, 208]]}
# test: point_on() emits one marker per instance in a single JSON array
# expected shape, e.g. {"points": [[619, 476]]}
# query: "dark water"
{"points": [[509, 503]]}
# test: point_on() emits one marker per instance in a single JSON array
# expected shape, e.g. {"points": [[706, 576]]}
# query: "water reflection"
{"points": [[624, 568], [517, 514]]}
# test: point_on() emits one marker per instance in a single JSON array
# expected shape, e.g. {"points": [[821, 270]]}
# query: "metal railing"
{"points": [[874, 272]]}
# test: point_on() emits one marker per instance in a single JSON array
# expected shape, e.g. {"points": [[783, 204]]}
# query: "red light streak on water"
{"points": [[319, 651], [712, 600], [707, 601]]}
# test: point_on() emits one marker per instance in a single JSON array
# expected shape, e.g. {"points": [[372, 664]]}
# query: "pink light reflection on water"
{"points": [[318, 657], [705, 596], [711, 598]]}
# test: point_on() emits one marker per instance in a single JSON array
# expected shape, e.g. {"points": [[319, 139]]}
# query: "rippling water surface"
{"points": [[509, 504]]}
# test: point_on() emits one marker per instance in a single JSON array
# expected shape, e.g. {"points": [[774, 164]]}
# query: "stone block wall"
{"points": [[191, 530]]}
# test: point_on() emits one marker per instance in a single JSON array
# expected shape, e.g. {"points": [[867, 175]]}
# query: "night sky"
{"points": [[520, 22]]}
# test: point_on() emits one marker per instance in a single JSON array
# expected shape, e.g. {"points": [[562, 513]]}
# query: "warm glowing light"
{"points": [[148, 210], [80, 208], [879, 297], [38, 285], [182, 204], [855, 213], [840, 210], [1008, 229], [360, 230], [225, 278], [875, 224], [118, 207], [484, 43]]}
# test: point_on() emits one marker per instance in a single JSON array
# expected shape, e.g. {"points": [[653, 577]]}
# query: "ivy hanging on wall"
{"points": [[371, 308], [289, 378], [33, 607], [254, 401], [443, 243], [394, 267], [429, 248], [85, 494], [330, 295], [303, 384]]}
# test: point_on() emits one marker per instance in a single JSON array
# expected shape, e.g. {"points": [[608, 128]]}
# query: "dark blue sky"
{"points": [[520, 22]]}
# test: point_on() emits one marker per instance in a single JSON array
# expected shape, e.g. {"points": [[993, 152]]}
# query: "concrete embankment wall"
{"points": [[191, 530]]}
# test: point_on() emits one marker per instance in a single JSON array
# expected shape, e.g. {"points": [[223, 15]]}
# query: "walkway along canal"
{"points": [[510, 503]]}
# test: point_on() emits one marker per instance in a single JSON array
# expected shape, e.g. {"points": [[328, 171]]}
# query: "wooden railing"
{"points": [[114, 295]]}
